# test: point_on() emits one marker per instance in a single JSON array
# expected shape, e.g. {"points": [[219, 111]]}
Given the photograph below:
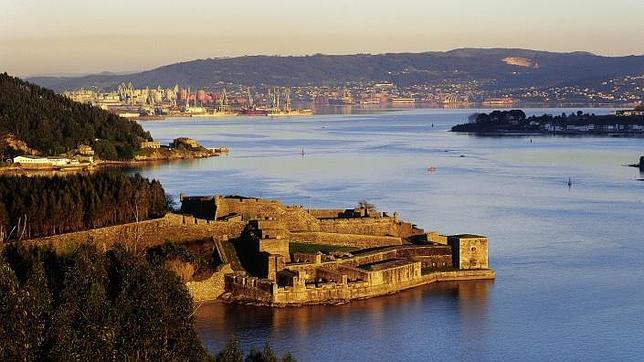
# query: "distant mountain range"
{"points": [[498, 68]]}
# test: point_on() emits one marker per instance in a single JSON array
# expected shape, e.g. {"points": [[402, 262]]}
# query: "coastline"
{"points": [[362, 293], [551, 134], [101, 164]]}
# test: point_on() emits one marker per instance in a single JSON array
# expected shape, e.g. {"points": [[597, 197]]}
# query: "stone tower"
{"points": [[469, 251]]}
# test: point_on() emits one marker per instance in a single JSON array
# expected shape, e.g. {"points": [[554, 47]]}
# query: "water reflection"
{"points": [[570, 261], [296, 329]]}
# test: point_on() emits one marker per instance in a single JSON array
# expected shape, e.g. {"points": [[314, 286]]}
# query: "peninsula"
{"points": [[41, 130], [626, 123], [262, 252]]}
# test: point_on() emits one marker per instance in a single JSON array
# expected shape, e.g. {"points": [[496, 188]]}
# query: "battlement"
{"points": [[385, 262]]}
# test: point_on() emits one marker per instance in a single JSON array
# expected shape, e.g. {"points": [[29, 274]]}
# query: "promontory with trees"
{"points": [[91, 303], [35, 121], [621, 123]]}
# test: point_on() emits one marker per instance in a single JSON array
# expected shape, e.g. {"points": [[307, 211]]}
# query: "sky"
{"points": [[83, 36]]}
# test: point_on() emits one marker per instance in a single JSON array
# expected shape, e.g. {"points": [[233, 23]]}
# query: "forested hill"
{"points": [[497, 68], [53, 124]]}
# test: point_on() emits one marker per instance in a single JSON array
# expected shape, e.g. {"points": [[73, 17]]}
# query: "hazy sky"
{"points": [[79, 36]]}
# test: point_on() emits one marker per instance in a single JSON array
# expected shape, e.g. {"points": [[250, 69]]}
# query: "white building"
{"points": [[35, 161]]}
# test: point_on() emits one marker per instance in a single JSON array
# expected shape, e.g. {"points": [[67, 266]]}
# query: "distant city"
{"points": [[232, 99]]}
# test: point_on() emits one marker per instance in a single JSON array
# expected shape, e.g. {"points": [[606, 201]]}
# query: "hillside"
{"points": [[52, 124], [499, 68]]}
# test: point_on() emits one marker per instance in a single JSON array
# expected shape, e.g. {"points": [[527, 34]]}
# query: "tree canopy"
{"points": [[93, 306], [42, 206]]}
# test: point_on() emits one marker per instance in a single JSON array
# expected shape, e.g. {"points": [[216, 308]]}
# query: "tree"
{"points": [[90, 305], [53, 124], [83, 325], [232, 351], [154, 310], [24, 307], [41, 206], [364, 204], [10, 313]]}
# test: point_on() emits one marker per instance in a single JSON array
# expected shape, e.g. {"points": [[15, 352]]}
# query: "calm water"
{"points": [[569, 261]]}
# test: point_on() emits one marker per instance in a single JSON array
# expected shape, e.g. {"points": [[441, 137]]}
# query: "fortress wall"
{"points": [[470, 251], [248, 208], [362, 226], [371, 258], [425, 255], [354, 274], [275, 246], [332, 293], [385, 226], [326, 213], [211, 288], [430, 256], [298, 219], [396, 275], [150, 232], [351, 240], [428, 250], [329, 274], [435, 261], [307, 258], [250, 288], [200, 207]]}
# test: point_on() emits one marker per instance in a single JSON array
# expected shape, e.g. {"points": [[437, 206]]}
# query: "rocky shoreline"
{"points": [[101, 164], [179, 149]]}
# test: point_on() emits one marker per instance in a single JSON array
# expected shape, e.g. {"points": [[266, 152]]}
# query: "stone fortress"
{"points": [[282, 255]]}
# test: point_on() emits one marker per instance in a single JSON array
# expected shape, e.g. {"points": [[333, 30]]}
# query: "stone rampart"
{"points": [[337, 293], [248, 208], [326, 213], [172, 227], [211, 288], [351, 240], [434, 256], [250, 288], [362, 226]]}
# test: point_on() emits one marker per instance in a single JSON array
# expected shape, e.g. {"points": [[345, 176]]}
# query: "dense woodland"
{"points": [[41, 206], [91, 306], [94, 306], [53, 124]]}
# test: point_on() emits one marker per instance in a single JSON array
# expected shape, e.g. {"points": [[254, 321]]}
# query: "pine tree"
{"points": [[232, 351]]}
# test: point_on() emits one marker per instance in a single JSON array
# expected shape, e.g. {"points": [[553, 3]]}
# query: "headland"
{"points": [[83, 158], [277, 255], [625, 123]]}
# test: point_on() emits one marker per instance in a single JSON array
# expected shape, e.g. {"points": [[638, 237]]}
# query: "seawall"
{"points": [[261, 292]]}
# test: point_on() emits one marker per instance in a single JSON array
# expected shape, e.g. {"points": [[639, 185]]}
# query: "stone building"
{"points": [[201, 207], [85, 150], [470, 251], [150, 144]]}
